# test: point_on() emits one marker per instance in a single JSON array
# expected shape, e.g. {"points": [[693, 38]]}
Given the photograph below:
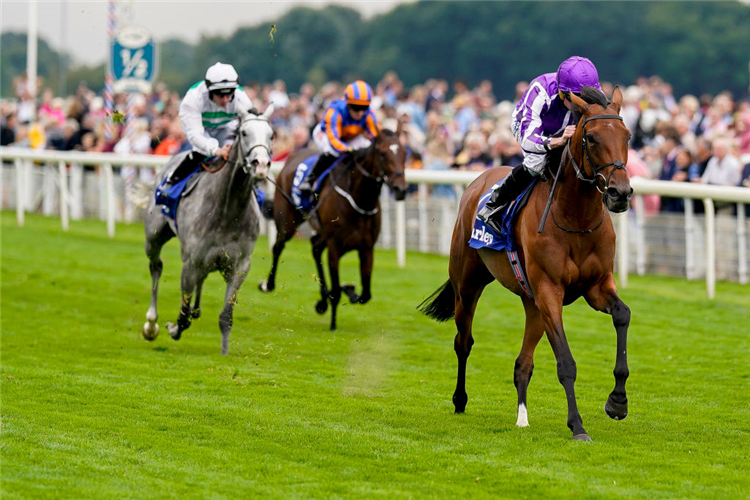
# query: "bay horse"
{"points": [[571, 258], [347, 214], [217, 226]]}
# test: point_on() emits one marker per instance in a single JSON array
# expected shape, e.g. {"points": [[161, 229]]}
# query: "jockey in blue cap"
{"points": [[348, 124], [542, 121]]}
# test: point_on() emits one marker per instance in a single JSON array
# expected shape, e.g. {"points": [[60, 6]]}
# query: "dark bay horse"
{"points": [[347, 211], [572, 257], [217, 225]]}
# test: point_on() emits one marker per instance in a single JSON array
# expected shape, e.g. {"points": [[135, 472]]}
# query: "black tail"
{"points": [[441, 305]]}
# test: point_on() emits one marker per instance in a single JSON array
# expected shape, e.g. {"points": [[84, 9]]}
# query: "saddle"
{"points": [[306, 203]]}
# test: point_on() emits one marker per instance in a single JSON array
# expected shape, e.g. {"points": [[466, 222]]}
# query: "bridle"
{"points": [[244, 156], [580, 173], [245, 164], [381, 176]]}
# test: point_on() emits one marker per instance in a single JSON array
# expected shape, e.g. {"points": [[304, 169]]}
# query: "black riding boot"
{"points": [[516, 182], [192, 160], [324, 161]]}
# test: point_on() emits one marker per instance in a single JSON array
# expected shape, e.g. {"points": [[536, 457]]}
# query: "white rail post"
{"points": [[28, 186], [689, 239], [622, 248], [385, 218], [710, 248], [741, 244], [63, 195], [401, 233], [48, 189], [20, 192], [76, 192], [640, 236], [422, 204], [109, 188], [447, 218]]}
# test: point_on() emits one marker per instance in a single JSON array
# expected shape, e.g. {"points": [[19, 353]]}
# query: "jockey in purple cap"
{"points": [[542, 121]]}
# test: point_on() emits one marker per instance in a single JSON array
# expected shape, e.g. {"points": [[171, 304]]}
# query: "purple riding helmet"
{"points": [[576, 72]]}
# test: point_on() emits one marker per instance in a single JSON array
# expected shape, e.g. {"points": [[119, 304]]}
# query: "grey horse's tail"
{"points": [[441, 305]]}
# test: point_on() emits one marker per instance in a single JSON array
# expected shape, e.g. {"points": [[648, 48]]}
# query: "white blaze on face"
{"points": [[523, 416], [394, 148]]}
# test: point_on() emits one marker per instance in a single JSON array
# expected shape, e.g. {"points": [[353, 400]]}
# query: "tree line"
{"points": [[699, 47]]}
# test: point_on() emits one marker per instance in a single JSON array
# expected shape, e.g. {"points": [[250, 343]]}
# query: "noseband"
{"points": [[580, 173]]}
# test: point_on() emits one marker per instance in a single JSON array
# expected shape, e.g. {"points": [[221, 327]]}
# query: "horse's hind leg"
{"points": [[318, 246], [188, 283], [604, 298], [286, 225], [234, 279], [195, 311], [525, 362], [155, 240], [468, 285]]}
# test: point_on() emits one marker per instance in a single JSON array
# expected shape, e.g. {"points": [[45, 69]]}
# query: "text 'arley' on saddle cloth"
{"points": [[482, 236]]}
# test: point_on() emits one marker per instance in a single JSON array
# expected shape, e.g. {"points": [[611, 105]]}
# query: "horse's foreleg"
{"points": [[605, 299], [318, 246], [550, 300], [234, 279], [335, 292], [525, 362], [188, 283], [366, 257], [286, 226]]}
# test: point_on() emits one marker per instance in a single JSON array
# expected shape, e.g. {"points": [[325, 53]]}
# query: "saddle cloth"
{"points": [[482, 236], [300, 174], [169, 195]]}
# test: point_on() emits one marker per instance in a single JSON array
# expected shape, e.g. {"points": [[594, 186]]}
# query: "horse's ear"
{"points": [[269, 111], [579, 103], [242, 112], [400, 128], [617, 98]]}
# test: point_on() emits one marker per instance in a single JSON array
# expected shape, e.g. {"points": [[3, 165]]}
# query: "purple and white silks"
{"points": [[539, 115]]}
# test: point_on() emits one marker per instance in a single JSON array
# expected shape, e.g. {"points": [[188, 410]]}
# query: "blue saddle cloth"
{"points": [[168, 196], [300, 174], [482, 236]]}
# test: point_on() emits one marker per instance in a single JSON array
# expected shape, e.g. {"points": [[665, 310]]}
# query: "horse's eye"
{"points": [[590, 139], [244, 134]]}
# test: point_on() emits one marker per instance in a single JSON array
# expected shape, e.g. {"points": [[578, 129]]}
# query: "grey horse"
{"points": [[217, 225]]}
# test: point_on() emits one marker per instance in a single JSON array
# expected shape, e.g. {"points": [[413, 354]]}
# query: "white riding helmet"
{"points": [[222, 77]]}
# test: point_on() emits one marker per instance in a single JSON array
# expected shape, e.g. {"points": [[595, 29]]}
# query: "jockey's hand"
{"points": [[224, 151], [557, 142]]}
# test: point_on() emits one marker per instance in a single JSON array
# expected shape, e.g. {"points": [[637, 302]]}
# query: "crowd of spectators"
{"points": [[448, 125]]}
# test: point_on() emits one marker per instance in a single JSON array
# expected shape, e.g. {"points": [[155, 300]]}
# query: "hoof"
{"points": [[616, 411], [174, 331], [348, 290], [321, 306], [195, 313], [150, 331], [263, 286], [459, 403], [582, 437]]}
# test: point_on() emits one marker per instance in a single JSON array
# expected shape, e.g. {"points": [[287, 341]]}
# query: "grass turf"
{"points": [[91, 410]]}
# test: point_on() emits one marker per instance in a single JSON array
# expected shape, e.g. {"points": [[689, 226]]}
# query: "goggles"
{"points": [[358, 107]]}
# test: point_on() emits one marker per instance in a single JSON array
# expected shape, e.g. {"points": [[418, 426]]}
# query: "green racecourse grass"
{"points": [[91, 410]]}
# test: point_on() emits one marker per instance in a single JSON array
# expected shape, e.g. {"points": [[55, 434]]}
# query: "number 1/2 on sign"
{"points": [[133, 63]]}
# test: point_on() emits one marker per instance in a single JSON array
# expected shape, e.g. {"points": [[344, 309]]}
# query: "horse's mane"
{"points": [[591, 95]]}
